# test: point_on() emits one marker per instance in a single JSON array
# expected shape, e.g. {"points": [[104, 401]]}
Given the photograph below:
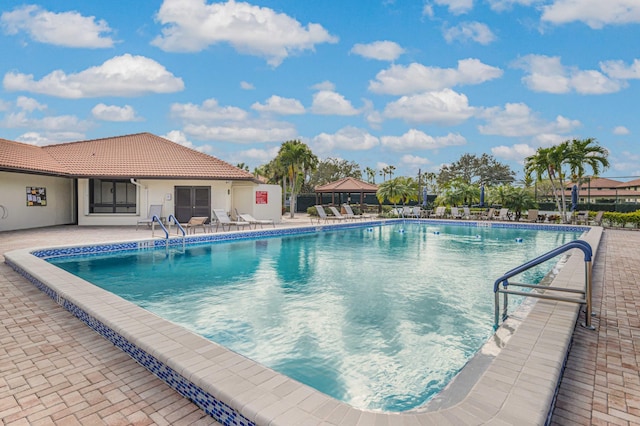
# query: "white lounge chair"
{"points": [[503, 214], [154, 210], [439, 213], [337, 214], [488, 215], [322, 215], [222, 219], [532, 216], [349, 211], [455, 213], [255, 222], [194, 223]]}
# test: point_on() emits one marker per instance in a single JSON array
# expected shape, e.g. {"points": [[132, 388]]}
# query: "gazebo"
{"points": [[347, 186]]}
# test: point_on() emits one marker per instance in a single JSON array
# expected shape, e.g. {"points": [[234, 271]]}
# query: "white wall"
{"points": [[59, 209]]}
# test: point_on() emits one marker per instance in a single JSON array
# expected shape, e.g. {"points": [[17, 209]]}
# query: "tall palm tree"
{"points": [[548, 161], [298, 160], [586, 153], [371, 175]]}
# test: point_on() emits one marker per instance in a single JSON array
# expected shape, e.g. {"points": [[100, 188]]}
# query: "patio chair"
{"points": [[154, 210], [455, 213], [222, 219], [488, 215], [597, 220], [195, 222], [322, 215], [503, 214], [337, 214], [415, 212], [349, 211], [582, 217], [532, 216], [466, 213], [255, 222], [439, 213]]}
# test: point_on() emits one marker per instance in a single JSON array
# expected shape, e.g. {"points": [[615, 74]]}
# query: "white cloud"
{"points": [[124, 75], [465, 31], [502, 5], [348, 138], [207, 112], [243, 132], [192, 25], [456, 7], [547, 74], [414, 160], [68, 29], [114, 113], [621, 130], [325, 85], [29, 104], [48, 138], [59, 123], [595, 13], [179, 137], [517, 152], [618, 69], [415, 78], [445, 107], [278, 105], [254, 156], [416, 140], [519, 120], [244, 85], [327, 102], [380, 50]]}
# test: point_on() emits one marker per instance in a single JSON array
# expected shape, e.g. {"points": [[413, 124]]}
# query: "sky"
{"points": [[411, 84]]}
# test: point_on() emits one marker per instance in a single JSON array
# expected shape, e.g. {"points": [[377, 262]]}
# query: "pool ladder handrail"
{"points": [[155, 219], [179, 228], [586, 293]]}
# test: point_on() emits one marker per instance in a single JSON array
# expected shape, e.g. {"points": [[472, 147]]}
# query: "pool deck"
{"points": [[56, 370]]}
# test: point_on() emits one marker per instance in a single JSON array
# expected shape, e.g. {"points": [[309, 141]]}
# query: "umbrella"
{"points": [[424, 197], [482, 195], [574, 198]]}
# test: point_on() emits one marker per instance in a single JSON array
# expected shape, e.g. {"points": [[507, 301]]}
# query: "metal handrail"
{"points": [[179, 227], [155, 219], [504, 280]]}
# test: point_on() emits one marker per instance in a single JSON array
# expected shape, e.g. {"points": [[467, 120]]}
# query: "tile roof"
{"points": [[141, 155], [347, 184]]}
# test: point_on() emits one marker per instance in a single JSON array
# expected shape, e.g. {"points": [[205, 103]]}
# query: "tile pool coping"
{"points": [[517, 385]]}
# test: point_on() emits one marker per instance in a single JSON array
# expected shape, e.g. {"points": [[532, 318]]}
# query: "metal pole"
{"points": [[588, 308]]}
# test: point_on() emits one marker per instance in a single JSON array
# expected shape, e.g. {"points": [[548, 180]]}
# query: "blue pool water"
{"points": [[381, 317]]}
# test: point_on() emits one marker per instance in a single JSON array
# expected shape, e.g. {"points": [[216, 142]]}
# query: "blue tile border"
{"points": [[208, 403]]}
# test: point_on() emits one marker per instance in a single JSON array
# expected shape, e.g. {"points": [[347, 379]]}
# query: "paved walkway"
{"points": [[55, 370]]}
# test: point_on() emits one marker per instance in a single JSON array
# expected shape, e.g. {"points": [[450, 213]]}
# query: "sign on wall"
{"points": [[36, 196], [262, 197]]}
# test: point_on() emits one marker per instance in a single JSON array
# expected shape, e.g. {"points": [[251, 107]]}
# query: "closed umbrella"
{"points": [[482, 195], [424, 197], [574, 198]]}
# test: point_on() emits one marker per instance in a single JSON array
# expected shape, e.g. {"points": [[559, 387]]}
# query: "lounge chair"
{"points": [[455, 213], [222, 219], [488, 215], [255, 222], [466, 213], [597, 220], [582, 217], [337, 214], [195, 222], [322, 215], [416, 212], [504, 214], [532, 216], [439, 213], [349, 211], [154, 210]]}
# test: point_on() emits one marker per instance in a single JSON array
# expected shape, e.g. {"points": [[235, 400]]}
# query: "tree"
{"points": [[242, 166], [568, 157], [476, 170], [458, 192], [371, 175], [332, 169], [518, 199], [397, 190], [297, 160]]}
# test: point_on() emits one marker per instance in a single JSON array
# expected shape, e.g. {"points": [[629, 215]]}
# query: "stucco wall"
{"points": [[246, 201], [15, 214]]}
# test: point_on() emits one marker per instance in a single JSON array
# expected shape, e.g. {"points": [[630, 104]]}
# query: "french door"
{"points": [[192, 201]]}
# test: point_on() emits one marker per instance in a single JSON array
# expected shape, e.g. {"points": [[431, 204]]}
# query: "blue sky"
{"points": [[392, 82]]}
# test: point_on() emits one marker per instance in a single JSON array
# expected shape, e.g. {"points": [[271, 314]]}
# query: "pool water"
{"points": [[378, 317]]}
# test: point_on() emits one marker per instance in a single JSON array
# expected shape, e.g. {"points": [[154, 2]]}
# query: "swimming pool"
{"points": [[336, 309]]}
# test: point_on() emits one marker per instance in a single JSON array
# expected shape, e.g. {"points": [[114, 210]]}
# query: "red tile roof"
{"points": [[347, 184], [141, 155]]}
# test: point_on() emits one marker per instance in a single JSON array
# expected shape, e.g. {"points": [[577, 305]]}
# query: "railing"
{"points": [[180, 228], [586, 293]]}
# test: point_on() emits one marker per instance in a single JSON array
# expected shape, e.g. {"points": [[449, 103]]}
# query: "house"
{"points": [[605, 190], [113, 181]]}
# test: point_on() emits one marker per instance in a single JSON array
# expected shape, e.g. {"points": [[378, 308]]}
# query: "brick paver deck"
{"points": [[55, 370], [601, 382]]}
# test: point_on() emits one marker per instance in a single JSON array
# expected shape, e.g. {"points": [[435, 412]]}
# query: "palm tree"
{"points": [[548, 161], [298, 160], [394, 190], [519, 199], [371, 175], [242, 166], [586, 152]]}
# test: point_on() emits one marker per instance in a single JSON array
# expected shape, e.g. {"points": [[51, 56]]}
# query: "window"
{"points": [[111, 196]]}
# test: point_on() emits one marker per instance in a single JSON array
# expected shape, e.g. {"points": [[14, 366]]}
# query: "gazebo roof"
{"points": [[348, 184]]}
